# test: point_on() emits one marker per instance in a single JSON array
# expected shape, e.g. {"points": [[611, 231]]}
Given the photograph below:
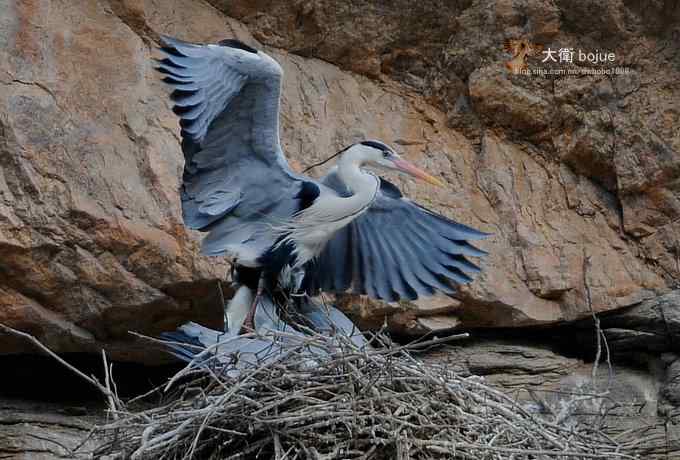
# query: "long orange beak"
{"points": [[413, 170]]}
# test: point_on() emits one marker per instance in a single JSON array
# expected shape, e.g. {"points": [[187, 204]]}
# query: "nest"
{"points": [[326, 398]]}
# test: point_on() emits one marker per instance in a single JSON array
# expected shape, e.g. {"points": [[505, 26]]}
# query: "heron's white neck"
{"points": [[362, 184], [315, 225]]}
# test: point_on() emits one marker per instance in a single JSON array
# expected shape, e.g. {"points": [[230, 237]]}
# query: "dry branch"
{"points": [[112, 399]]}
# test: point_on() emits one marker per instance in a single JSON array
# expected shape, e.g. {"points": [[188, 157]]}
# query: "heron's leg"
{"points": [[229, 275], [238, 307], [249, 322]]}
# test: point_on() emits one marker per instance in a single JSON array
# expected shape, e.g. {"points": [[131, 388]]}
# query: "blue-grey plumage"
{"points": [[350, 230], [234, 353], [417, 251]]}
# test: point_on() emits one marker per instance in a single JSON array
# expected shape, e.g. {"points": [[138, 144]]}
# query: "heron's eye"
{"points": [[386, 154]]}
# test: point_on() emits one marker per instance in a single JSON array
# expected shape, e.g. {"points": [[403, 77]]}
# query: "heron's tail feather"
{"points": [[189, 340], [195, 343]]}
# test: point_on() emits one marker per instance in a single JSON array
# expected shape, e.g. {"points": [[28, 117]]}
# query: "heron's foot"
{"points": [[249, 321]]}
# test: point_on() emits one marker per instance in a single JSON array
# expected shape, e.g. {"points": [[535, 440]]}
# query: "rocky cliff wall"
{"points": [[578, 178]]}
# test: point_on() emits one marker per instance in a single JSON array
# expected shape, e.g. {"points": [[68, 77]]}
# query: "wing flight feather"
{"points": [[236, 180], [396, 250]]}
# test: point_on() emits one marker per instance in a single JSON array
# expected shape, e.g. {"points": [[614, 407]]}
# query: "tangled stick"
{"points": [[324, 397]]}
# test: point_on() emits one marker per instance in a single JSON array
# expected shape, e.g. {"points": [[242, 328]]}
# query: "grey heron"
{"points": [[350, 230]]}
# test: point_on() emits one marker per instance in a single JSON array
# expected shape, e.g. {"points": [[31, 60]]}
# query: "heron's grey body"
{"points": [[350, 230]]}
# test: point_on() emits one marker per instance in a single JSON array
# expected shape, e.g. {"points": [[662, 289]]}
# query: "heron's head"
{"points": [[375, 153]]}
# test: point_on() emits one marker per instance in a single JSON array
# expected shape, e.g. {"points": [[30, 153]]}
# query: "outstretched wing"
{"points": [[396, 250], [236, 180]]}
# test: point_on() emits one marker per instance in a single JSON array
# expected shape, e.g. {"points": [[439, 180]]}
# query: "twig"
{"points": [[111, 398], [378, 403], [110, 395], [596, 320]]}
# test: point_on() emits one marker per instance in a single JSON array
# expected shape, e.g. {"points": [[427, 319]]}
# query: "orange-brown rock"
{"points": [[577, 179]]}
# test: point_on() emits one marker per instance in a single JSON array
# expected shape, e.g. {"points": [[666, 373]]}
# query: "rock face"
{"points": [[33, 431], [577, 178], [645, 335]]}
